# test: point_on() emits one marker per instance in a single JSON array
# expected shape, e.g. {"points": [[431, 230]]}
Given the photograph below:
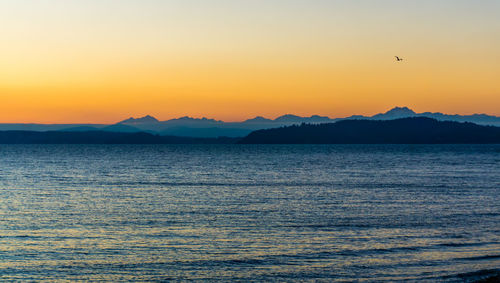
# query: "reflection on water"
{"points": [[119, 212]]}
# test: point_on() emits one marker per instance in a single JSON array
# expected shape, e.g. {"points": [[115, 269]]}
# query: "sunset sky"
{"points": [[100, 61]]}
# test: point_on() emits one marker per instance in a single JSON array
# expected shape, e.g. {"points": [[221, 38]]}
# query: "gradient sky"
{"points": [[104, 60]]}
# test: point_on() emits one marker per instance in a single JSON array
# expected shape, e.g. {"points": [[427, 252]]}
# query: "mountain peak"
{"points": [[395, 113], [401, 111], [258, 119], [144, 120], [288, 118], [191, 119]]}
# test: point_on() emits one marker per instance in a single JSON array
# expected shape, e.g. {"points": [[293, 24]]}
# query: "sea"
{"points": [[249, 213]]}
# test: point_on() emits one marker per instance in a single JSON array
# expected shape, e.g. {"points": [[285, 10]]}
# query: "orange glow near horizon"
{"points": [[76, 62]]}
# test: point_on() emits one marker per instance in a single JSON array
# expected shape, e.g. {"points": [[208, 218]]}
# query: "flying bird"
{"points": [[398, 59]]}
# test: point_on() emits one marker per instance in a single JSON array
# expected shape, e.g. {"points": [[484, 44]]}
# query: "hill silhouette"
{"points": [[204, 127], [418, 130], [208, 128]]}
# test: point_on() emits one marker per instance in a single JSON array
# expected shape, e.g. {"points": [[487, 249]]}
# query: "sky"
{"points": [[100, 61]]}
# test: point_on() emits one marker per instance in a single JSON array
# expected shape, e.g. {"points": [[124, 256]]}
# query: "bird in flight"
{"points": [[398, 59]]}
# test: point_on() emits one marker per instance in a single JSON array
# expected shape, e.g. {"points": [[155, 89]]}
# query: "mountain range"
{"points": [[210, 128], [414, 130]]}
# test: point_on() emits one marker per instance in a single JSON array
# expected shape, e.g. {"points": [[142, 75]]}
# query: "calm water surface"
{"points": [[244, 212]]}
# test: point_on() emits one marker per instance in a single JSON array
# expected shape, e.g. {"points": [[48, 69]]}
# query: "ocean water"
{"points": [[249, 212]]}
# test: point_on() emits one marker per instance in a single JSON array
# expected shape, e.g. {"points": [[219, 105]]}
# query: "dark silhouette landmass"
{"points": [[419, 130], [211, 128], [101, 137]]}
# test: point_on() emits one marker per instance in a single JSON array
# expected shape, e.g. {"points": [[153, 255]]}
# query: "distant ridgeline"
{"points": [[210, 128], [419, 130]]}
